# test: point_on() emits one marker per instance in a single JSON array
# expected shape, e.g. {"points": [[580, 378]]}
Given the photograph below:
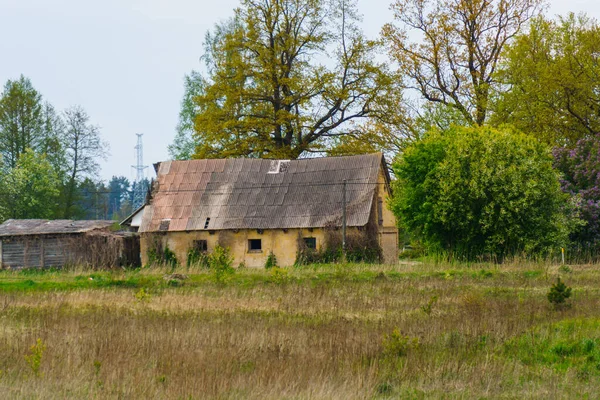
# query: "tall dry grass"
{"points": [[326, 332]]}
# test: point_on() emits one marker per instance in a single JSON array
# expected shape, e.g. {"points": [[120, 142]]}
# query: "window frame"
{"points": [[200, 245]]}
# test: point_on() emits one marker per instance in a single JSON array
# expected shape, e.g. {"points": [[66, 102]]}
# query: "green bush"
{"points": [[398, 345], [475, 191]]}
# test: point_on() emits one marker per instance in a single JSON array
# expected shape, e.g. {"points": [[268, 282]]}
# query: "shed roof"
{"points": [[216, 194], [18, 227]]}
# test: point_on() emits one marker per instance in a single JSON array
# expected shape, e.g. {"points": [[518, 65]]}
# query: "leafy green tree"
{"points": [[448, 51], [21, 120], [185, 142], [553, 72], [286, 77], [31, 189], [92, 199], [479, 190], [119, 195], [52, 143]]}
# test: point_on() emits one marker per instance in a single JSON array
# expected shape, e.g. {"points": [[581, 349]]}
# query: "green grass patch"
{"points": [[564, 345], [319, 274]]}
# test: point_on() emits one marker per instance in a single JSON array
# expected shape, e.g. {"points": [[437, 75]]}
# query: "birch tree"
{"points": [[84, 148]]}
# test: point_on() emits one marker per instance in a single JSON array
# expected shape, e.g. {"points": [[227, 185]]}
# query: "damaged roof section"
{"points": [[19, 227], [219, 194]]}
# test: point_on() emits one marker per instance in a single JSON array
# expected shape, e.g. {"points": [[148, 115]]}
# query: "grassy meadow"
{"points": [[415, 330]]}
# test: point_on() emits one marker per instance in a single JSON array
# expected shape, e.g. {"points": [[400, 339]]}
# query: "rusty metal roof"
{"points": [[18, 227], [216, 194]]}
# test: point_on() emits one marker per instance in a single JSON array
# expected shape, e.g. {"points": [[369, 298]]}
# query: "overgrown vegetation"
{"points": [[197, 258], [362, 246], [159, 253]]}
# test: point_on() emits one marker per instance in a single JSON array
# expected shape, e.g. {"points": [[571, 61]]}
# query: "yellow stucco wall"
{"points": [[388, 230], [283, 244]]}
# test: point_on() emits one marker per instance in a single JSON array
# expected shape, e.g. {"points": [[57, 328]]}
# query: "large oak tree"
{"points": [[287, 77]]}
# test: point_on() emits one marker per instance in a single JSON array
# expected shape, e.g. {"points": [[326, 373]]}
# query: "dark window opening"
{"points": [[164, 225], [310, 242], [201, 245], [206, 223], [380, 211], [254, 245]]}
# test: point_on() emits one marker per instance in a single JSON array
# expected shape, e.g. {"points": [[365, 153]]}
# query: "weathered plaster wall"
{"points": [[283, 244]]}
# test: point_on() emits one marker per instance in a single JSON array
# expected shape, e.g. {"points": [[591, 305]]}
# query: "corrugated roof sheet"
{"points": [[242, 194], [17, 227]]}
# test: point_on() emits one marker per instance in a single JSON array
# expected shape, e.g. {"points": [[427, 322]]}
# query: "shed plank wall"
{"points": [[52, 251], [19, 253]]}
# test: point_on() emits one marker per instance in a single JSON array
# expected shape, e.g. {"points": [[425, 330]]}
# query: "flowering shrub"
{"points": [[580, 167]]}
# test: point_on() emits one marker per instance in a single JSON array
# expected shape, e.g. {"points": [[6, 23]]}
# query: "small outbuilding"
{"points": [[261, 208], [37, 243]]}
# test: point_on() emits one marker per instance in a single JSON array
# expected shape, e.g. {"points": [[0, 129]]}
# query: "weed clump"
{"points": [[279, 275], [143, 295], [34, 358], [398, 345], [197, 258], [428, 308], [385, 388], [271, 261]]}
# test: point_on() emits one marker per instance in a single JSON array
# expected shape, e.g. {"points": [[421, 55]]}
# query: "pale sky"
{"points": [[124, 60]]}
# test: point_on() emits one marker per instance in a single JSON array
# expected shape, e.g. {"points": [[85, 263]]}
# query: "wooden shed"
{"points": [[35, 243]]}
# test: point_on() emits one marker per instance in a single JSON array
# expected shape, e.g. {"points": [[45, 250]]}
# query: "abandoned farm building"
{"points": [[256, 207], [36, 243]]}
